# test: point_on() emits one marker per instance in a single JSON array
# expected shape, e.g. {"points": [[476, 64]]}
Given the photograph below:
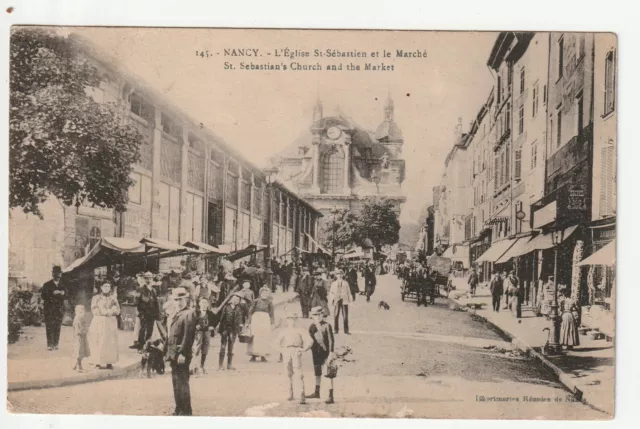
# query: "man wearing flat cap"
{"points": [[182, 332], [53, 296]]}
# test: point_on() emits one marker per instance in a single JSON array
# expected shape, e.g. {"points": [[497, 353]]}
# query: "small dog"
{"points": [[153, 357], [384, 305]]}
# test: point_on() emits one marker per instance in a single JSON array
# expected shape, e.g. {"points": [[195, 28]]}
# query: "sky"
{"points": [[260, 112]]}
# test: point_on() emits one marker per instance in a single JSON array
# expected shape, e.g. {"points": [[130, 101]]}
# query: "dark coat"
{"points": [[496, 286], [304, 286], [182, 333], [147, 304], [53, 303], [232, 319]]}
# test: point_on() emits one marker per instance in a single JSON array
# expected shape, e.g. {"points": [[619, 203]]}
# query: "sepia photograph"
{"points": [[312, 223]]}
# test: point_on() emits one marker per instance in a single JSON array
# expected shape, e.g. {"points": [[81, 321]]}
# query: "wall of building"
{"points": [[605, 131], [189, 186]]}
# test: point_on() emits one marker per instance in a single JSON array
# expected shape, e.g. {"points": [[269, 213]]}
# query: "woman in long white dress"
{"points": [[103, 332], [262, 321]]}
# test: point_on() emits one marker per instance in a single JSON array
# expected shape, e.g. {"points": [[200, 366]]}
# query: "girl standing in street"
{"points": [[261, 320], [103, 332], [81, 342]]}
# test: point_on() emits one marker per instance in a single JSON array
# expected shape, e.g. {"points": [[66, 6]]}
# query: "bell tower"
{"points": [[317, 110]]}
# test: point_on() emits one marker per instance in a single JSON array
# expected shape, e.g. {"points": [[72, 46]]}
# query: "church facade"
{"points": [[336, 164]]}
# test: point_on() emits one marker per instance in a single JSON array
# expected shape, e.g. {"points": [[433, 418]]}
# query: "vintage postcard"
{"points": [[312, 223]]}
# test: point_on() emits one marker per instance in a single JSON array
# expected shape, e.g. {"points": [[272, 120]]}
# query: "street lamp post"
{"points": [[270, 175], [334, 212], [554, 344]]}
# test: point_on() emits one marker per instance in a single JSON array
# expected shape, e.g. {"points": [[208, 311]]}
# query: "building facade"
{"points": [[542, 176], [190, 185], [335, 163]]}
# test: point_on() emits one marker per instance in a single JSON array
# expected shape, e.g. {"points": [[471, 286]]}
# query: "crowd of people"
{"points": [[180, 313]]}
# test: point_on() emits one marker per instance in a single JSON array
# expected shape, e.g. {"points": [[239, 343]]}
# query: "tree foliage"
{"points": [[61, 141], [378, 221], [339, 232]]}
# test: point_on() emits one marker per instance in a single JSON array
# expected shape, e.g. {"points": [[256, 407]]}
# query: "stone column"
{"points": [[315, 187], [184, 177], [347, 164]]}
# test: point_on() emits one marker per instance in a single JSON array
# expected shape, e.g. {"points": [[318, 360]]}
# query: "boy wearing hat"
{"points": [[321, 349], [182, 332], [232, 319], [293, 341]]}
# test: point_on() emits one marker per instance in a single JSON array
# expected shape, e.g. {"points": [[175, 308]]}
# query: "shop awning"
{"points": [[458, 252], [545, 241], [496, 250], [247, 251], [518, 248], [156, 243], [605, 256], [316, 243], [107, 250], [204, 247]]}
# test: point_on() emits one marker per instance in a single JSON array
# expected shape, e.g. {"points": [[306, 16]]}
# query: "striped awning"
{"points": [[496, 250], [519, 248]]}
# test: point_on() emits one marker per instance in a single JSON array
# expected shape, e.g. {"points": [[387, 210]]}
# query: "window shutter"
{"points": [[607, 185], [518, 164]]}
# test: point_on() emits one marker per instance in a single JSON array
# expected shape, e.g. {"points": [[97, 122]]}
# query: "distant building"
{"points": [[336, 163]]}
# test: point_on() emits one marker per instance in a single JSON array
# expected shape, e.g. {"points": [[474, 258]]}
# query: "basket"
{"points": [[332, 369], [245, 336]]}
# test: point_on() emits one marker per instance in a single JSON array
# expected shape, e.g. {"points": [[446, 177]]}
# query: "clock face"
{"points": [[333, 133]]}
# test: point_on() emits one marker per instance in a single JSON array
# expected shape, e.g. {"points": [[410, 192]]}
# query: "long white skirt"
{"points": [[261, 331], [103, 340]]}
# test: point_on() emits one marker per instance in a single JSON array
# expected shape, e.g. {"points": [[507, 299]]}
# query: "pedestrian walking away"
{"points": [[293, 342], [322, 349], [369, 281], [53, 297], [473, 282], [496, 291], [340, 298], [182, 332]]}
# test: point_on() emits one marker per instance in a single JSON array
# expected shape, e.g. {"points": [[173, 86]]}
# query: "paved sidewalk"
{"points": [[588, 370], [31, 366]]}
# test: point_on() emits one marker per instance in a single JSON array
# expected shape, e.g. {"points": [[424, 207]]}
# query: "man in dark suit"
{"points": [[182, 332], [369, 281], [148, 310], [53, 296], [303, 288]]}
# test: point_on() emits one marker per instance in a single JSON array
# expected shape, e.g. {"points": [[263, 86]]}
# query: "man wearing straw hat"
{"points": [[182, 332], [340, 298]]}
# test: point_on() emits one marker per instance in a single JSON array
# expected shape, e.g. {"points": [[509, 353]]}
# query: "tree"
{"points": [[378, 221], [61, 141], [339, 232]]}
